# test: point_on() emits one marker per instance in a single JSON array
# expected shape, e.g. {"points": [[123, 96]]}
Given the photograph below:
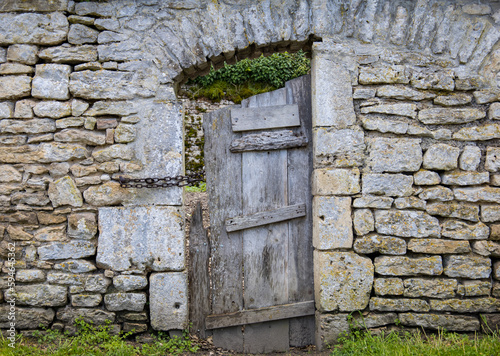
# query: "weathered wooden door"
{"points": [[258, 160]]}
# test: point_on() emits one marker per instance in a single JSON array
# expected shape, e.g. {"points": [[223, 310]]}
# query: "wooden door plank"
{"points": [[265, 217], [265, 141], [269, 117], [198, 275], [252, 316], [300, 258], [223, 170]]}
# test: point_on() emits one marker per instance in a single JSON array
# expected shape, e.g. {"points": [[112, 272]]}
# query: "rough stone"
{"points": [[492, 162], [387, 245], [108, 123], [395, 155], [168, 298], [63, 191], [80, 34], [51, 233], [332, 224], [409, 203], [79, 170], [52, 109], [363, 93], [51, 81], [406, 223], [388, 286], [445, 116], [335, 181], [15, 86], [442, 80], [455, 99], [460, 230], [383, 75], [342, 281], [490, 213], [94, 316], [40, 295], [65, 278], [75, 266], [409, 110], [78, 107], [424, 177], [387, 184], [373, 320], [437, 193], [474, 288], [70, 122], [126, 283], [15, 68], [86, 300], [441, 157], [487, 194], [34, 126], [431, 288], [329, 327], [6, 110], [494, 111], [22, 53], [495, 232], [477, 305], [440, 321], [438, 246], [71, 55], [465, 178], [341, 148], [400, 305], [371, 201], [58, 170], [107, 194], [125, 133], [94, 283], [363, 221], [454, 210], [66, 250], [42, 29], [383, 125], [476, 9], [403, 93], [26, 318], [8, 174], [82, 226], [119, 151], [408, 266], [478, 133], [30, 276], [486, 248], [125, 301], [472, 267], [81, 136], [120, 108]]}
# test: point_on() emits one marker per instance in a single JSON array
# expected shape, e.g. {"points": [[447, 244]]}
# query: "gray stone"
{"points": [[409, 110], [494, 111], [384, 125], [328, 181], [126, 283], [442, 80], [120, 108], [342, 281], [15, 68], [329, 327], [490, 213], [8, 174], [82, 226], [465, 178], [12, 140], [388, 286], [94, 9], [363, 93], [107, 24], [474, 288], [75, 266], [406, 223], [88, 66], [63, 191], [110, 153], [486, 248], [441, 157], [34, 126], [440, 321], [125, 133], [487, 194], [66, 250], [437, 193], [371, 201], [72, 55], [51, 81], [472, 267], [80, 34], [340, 148], [387, 245], [445, 116], [15, 86], [403, 93], [455, 99], [395, 155], [476, 9], [51, 233], [454, 210], [477, 305], [84, 20], [78, 107], [81, 136], [26, 318], [41, 29], [95, 283], [107, 194], [125, 301], [409, 203], [70, 122], [22, 53], [52, 109], [17, 233], [424, 177], [94, 316], [373, 320], [383, 75], [135, 316], [431, 288], [168, 298], [492, 162], [66, 279], [86, 300], [478, 133], [6, 110], [30, 275], [399, 305], [460, 230], [125, 231], [387, 184], [363, 221], [408, 266], [79, 170], [332, 224], [40, 295], [134, 328], [58, 170]]}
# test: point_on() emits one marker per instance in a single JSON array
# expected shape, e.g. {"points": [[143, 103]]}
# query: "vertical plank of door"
{"points": [[265, 249], [300, 258], [224, 191]]}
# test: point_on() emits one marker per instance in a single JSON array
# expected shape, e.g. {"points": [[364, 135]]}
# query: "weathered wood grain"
{"points": [[247, 119], [265, 141], [252, 316], [265, 217]]}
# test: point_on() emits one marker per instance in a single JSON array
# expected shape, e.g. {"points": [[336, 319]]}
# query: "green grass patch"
{"points": [[417, 344], [94, 341], [201, 187]]}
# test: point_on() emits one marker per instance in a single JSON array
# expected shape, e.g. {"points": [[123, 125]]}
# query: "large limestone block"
{"points": [[395, 155], [340, 148], [71, 55], [82, 226], [168, 301], [110, 153], [381, 124], [8, 174], [125, 301], [465, 266], [80, 34], [460, 230], [53, 109], [408, 266], [332, 223], [478, 133], [342, 281], [470, 158], [327, 181], [66, 250], [363, 221], [442, 116], [475, 289], [26, 318], [492, 163], [383, 75], [438, 246], [387, 245], [465, 178], [431, 288], [490, 213], [388, 286], [372, 201], [120, 108], [487, 194], [34, 126], [63, 191], [84, 137], [406, 223], [22, 53], [439, 80], [486, 248], [127, 283], [403, 93], [387, 184], [437, 193], [477, 305], [51, 81], [454, 210], [107, 194], [15, 86], [440, 321], [441, 157], [329, 327], [40, 295], [41, 29], [141, 238], [399, 305]]}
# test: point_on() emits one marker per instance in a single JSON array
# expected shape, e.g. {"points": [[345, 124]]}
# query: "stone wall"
{"points": [[406, 137]]}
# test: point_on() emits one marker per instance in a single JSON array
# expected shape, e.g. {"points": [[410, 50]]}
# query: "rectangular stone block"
{"points": [[40, 29], [475, 289], [408, 266], [472, 267], [388, 286], [490, 213], [168, 300], [332, 222], [372, 201], [438, 246], [454, 210], [395, 155], [39, 295], [399, 305], [440, 321], [329, 327], [387, 184], [432, 288], [335, 181], [141, 238], [339, 148], [66, 250], [406, 223], [476, 305], [487, 194]]}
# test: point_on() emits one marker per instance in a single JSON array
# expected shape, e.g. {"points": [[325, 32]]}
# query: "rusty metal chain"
{"points": [[165, 182]]}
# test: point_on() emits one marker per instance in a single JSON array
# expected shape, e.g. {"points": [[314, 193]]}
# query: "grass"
{"points": [[93, 341], [201, 187], [223, 90], [408, 344]]}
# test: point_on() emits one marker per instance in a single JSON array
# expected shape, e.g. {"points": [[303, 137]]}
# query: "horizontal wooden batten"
{"points": [[252, 316], [265, 141], [265, 217], [267, 117]]}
